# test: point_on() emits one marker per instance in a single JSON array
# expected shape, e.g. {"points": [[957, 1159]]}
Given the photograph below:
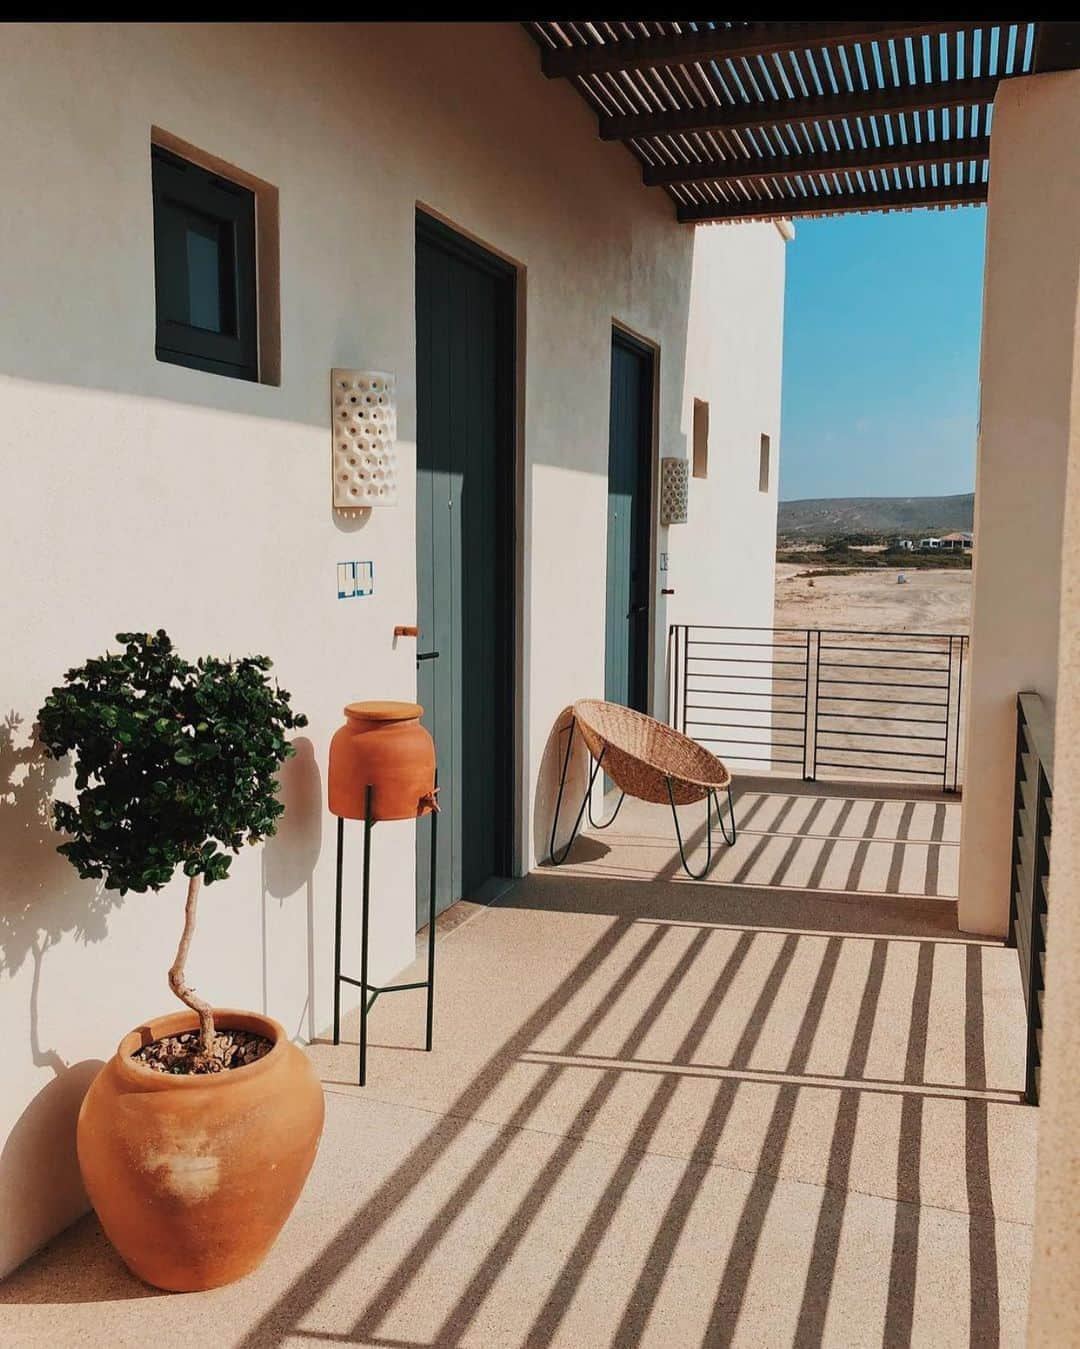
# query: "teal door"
{"points": [[629, 518], [464, 554]]}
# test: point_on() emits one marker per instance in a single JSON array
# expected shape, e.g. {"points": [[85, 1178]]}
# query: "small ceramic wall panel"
{"points": [[363, 408], [674, 489]]}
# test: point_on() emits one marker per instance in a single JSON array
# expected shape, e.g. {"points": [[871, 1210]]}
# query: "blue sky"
{"points": [[881, 355]]}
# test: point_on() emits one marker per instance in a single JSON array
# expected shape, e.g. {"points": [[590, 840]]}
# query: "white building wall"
{"points": [[723, 559], [139, 494], [1026, 384]]}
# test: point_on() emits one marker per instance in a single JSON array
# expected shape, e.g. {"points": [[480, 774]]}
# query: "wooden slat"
{"points": [[798, 166], [798, 111], [677, 49], [784, 208]]}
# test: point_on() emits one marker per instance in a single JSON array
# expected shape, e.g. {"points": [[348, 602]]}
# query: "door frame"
{"points": [[448, 234], [635, 338]]}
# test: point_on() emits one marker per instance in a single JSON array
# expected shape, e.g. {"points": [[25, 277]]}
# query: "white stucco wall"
{"points": [[1048, 112], [733, 362], [139, 494], [1026, 372]]}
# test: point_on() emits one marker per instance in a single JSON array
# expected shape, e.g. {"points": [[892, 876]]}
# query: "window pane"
{"points": [[207, 244], [204, 279]]}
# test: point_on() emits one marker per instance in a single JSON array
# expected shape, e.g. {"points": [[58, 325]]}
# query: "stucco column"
{"points": [[1029, 321], [1055, 1290]]}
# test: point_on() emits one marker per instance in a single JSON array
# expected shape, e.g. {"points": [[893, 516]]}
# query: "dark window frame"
{"points": [[181, 186]]}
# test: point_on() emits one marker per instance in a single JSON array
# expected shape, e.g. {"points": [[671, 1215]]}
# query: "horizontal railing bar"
{"points": [[886, 735], [799, 726], [773, 744], [744, 641], [861, 665], [734, 674], [873, 716], [877, 767], [889, 702], [832, 632], [887, 650], [737, 627], [748, 660], [750, 693], [892, 753], [764, 711], [891, 632], [772, 679], [872, 683], [754, 726], [761, 646]]}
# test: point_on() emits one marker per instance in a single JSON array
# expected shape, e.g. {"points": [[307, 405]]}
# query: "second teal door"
{"points": [[629, 521]]}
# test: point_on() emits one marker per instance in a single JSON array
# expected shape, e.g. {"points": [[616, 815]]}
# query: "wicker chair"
{"points": [[648, 760]]}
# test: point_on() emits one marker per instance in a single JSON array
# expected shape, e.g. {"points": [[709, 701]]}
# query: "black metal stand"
{"points": [[586, 805], [369, 992]]}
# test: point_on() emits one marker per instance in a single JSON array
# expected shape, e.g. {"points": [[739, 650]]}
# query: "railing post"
{"points": [[806, 711], [686, 672], [672, 678], [948, 719], [814, 644]]}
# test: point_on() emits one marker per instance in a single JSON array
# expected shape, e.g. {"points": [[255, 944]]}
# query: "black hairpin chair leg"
{"points": [[720, 818], [694, 875], [710, 801], [586, 804]]}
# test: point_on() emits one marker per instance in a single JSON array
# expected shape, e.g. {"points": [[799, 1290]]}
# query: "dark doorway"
{"points": [[465, 373], [626, 666]]}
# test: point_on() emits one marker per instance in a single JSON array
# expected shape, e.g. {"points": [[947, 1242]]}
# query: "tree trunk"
{"points": [[178, 980]]}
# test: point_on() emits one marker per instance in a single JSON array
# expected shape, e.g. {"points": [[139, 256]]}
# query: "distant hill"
{"points": [[826, 517]]}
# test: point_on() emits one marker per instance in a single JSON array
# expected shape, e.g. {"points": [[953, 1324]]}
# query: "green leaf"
{"points": [[131, 718]]}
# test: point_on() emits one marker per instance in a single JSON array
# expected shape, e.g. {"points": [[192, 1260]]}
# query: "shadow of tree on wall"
{"points": [[42, 900]]}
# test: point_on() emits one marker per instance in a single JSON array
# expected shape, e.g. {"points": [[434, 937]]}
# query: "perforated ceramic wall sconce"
{"points": [[674, 489], [363, 409]]}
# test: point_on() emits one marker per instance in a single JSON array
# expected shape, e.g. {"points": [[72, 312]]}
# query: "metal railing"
{"points": [[1029, 891], [851, 702]]}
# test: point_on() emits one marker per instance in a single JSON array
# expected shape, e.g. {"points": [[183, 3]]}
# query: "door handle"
{"points": [[637, 609], [426, 655]]}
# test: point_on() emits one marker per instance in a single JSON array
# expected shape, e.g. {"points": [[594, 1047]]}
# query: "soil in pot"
{"points": [[179, 1054]]}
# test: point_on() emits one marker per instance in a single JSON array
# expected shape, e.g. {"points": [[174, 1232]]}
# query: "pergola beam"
{"points": [[799, 166], [799, 111], [718, 44], [784, 208]]}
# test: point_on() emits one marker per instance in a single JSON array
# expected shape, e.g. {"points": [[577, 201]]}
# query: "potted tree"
{"points": [[196, 1138]]}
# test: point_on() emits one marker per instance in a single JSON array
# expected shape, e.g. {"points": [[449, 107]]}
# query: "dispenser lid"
{"points": [[384, 711]]}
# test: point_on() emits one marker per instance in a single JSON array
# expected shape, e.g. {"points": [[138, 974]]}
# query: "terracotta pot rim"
{"points": [[174, 1023], [383, 712]]}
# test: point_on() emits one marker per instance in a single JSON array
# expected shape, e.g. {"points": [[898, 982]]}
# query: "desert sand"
{"points": [[931, 601]]}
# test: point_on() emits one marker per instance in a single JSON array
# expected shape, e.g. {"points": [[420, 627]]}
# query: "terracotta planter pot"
{"points": [[193, 1177], [382, 744]]}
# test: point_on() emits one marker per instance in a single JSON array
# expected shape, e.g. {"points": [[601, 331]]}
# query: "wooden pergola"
{"points": [[739, 120]]}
